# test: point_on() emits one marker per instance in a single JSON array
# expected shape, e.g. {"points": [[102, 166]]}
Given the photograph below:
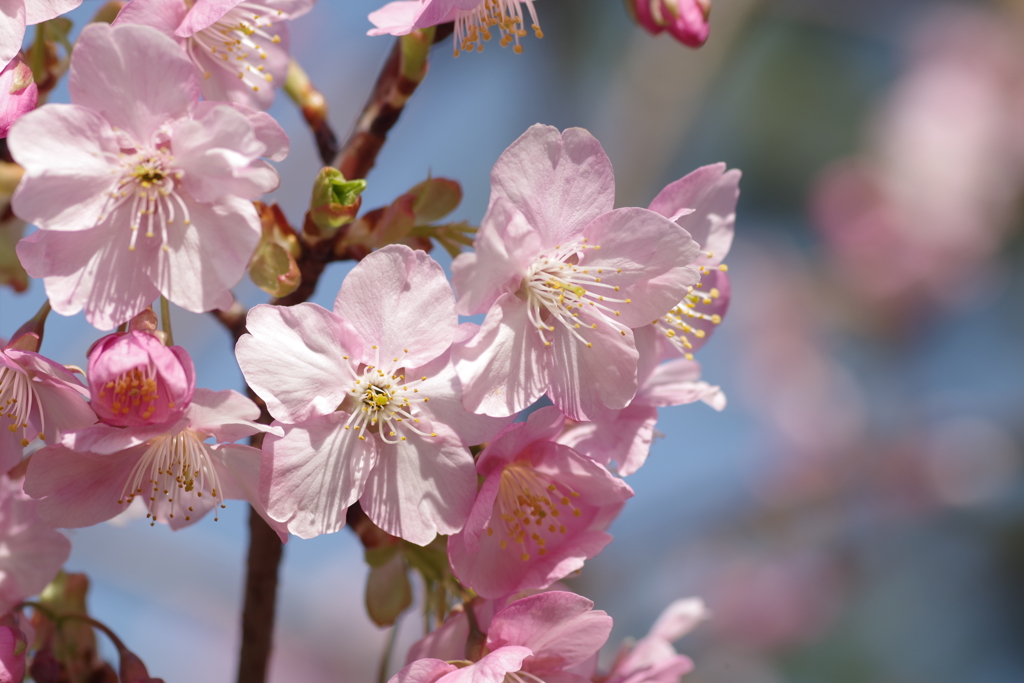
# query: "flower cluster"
{"points": [[386, 406]]}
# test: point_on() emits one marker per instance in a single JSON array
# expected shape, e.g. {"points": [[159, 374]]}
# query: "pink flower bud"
{"points": [[135, 380], [18, 93], [686, 20], [13, 647]]}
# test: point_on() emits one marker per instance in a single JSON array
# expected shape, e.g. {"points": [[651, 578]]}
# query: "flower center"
{"points": [[172, 465], [384, 403], [137, 389], [236, 39], [558, 288], [689, 319], [473, 26], [529, 505], [16, 398], [148, 187]]}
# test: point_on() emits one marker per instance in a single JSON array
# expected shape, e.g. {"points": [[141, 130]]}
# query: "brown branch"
{"points": [[401, 75], [311, 101]]}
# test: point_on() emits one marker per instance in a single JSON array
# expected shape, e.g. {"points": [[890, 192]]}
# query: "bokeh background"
{"points": [[856, 514]]}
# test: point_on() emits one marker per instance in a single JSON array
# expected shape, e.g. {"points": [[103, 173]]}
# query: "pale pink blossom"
{"points": [[542, 510], [653, 659], [33, 552], [703, 203], [625, 435], [97, 472], [136, 381], [16, 15], [563, 279], [474, 20], [240, 48], [545, 637], [137, 187], [18, 93], [370, 403], [38, 399]]}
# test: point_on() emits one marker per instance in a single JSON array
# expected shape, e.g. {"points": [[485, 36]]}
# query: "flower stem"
{"points": [[165, 318], [385, 659]]}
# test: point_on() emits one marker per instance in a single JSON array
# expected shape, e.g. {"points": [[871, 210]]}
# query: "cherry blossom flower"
{"points": [[16, 15], [369, 401], [473, 19], [563, 279], [38, 399], [138, 188], [652, 659], [33, 551], [703, 203], [95, 473], [625, 435], [136, 381], [545, 637], [239, 47], [18, 93], [541, 512]]}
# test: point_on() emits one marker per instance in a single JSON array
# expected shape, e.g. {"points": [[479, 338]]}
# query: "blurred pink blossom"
{"points": [[33, 551], [17, 15], [653, 659]]}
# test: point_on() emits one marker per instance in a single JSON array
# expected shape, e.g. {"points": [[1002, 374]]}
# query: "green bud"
{"points": [[335, 202], [388, 591]]}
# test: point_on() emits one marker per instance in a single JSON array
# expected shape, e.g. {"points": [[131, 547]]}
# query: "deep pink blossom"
{"points": [[33, 551], [137, 187], [18, 93], [541, 512], [545, 637], [703, 203], [240, 48], [625, 435], [685, 20], [563, 279], [95, 473], [474, 20], [370, 403], [16, 15], [38, 399], [136, 381], [13, 648], [653, 659]]}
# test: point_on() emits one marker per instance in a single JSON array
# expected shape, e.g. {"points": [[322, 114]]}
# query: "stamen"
{"points": [[473, 27]]}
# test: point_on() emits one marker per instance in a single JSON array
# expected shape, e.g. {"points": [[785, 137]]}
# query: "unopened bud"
{"points": [[335, 202], [13, 647], [18, 93], [133, 670], [686, 20], [274, 267]]}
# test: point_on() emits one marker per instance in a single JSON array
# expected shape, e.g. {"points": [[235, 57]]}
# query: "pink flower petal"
{"points": [[226, 415], [653, 256], [207, 257], [502, 370], [298, 359], [239, 470], [444, 390], [423, 671], [314, 472], [122, 73], [12, 29], [421, 487], [38, 11], [504, 248], [561, 629], [586, 382], [418, 322], [77, 489], [163, 15], [88, 269], [558, 181], [66, 151], [625, 436], [711, 193], [204, 14]]}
